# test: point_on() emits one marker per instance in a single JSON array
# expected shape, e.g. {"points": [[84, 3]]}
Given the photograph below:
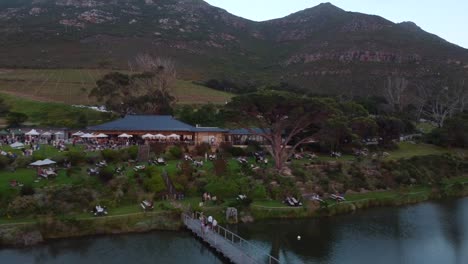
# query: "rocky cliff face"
{"points": [[209, 42]]}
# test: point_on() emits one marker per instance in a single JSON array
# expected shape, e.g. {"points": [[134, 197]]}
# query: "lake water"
{"points": [[429, 233]]}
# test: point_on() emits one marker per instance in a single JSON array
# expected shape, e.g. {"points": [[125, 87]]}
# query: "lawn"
{"points": [[408, 150], [72, 86], [53, 114]]}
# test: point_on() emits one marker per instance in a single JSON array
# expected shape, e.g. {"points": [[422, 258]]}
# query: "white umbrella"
{"points": [[101, 135], [17, 145], [125, 136], [87, 135], [160, 136], [33, 132], [174, 136], [147, 136], [58, 133], [46, 134], [78, 134]]}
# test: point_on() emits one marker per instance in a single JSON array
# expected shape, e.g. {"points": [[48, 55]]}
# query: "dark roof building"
{"points": [[145, 123]]}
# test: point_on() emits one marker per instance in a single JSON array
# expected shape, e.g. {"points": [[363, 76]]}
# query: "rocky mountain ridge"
{"points": [[208, 42]]}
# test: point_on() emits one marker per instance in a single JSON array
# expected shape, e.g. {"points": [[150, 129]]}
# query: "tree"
{"points": [[445, 102], [389, 128], [364, 127], [115, 91], [283, 119], [395, 87], [4, 107], [147, 91], [15, 119]]}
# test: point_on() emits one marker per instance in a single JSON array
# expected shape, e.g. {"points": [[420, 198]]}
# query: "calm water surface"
{"points": [[430, 233]]}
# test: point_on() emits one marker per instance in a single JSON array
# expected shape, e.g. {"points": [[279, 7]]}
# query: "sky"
{"points": [[445, 18]]}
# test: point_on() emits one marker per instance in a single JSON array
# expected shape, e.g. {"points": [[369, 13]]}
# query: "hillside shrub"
{"points": [[106, 174], [154, 184], [27, 189], [4, 161], [75, 157], [133, 152], [111, 155], [176, 152], [222, 188], [201, 149], [220, 167]]}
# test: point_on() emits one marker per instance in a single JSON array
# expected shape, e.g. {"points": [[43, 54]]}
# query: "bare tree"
{"points": [[445, 102], [162, 71], [395, 87]]}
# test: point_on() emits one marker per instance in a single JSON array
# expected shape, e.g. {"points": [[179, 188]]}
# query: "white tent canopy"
{"points": [[161, 136], [42, 162], [17, 145], [78, 134], [147, 136], [48, 162], [174, 136], [46, 134], [33, 132], [58, 133], [101, 135], [125, 136], [87, 135]]}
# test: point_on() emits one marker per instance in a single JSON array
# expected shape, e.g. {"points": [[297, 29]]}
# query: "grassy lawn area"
{"points": [[72, 86], [408, 150], [425, 127], [268, 203], [53, 114]]}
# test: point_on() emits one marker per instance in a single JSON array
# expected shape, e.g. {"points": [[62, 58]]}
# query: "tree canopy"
{"points": [[282, 118]]}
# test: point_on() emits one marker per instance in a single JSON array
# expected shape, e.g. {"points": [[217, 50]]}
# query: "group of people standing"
{"points": [[207, 223]]}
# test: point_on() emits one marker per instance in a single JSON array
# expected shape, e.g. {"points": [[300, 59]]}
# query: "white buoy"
{"points": [[298, 237]]}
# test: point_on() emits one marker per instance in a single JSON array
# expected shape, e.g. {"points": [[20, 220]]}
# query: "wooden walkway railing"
{"points": [[228, 244]]}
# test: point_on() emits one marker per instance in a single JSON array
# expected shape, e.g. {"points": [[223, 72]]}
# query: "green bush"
{"points": [[133, 152], [4, 161], [111, 155], [27, 189], [222, 188], [259, 192], [237, 152], [22, 161], [75, 157], [154, 184], [176, 152], [106, 174]]}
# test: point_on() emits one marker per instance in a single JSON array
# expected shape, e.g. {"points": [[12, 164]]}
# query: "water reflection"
{"points": [[424, 233], [157, 247], [430, 233]]}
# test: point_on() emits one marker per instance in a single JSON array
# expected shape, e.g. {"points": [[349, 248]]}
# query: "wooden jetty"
{"points": [[228, 244]]}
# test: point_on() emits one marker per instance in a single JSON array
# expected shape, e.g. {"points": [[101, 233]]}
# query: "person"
{"points": [[214, 224], [202, 222], [210, 221]]}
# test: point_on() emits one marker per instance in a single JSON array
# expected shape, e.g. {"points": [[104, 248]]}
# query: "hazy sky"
{"points": [[446, 18]]}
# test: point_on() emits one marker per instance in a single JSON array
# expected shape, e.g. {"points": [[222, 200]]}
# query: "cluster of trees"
{"points": [[14, 119], [289, 120], [148, 90], [454, 132], [434, 96]]}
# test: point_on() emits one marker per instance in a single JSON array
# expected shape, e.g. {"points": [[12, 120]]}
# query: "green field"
{"points": [[72, 86], [52, 114]]}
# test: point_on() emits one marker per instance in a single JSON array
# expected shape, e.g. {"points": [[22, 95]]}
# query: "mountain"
{"points": [[323, 48]]}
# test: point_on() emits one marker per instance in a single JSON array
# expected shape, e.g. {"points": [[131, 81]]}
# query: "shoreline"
{"points": [[46, 228]]}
